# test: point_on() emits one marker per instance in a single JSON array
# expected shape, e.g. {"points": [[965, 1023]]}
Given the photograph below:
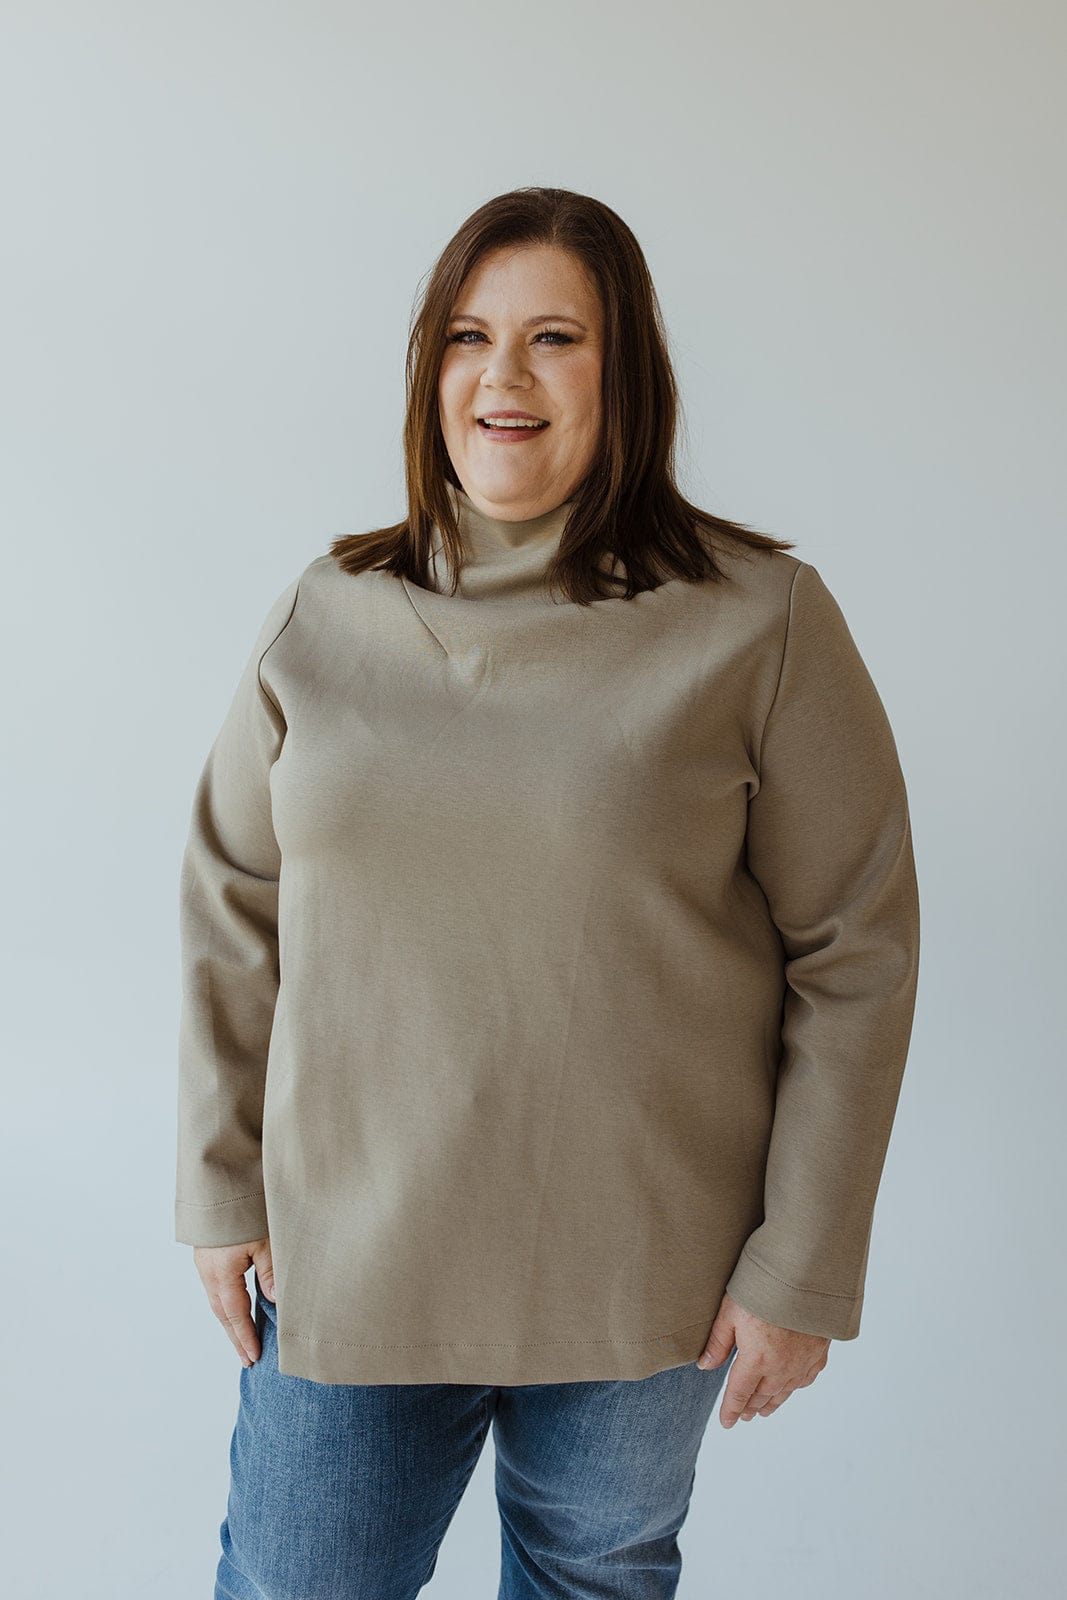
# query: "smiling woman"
{"points": [[542, 306], [505, 361], [549, 963]]}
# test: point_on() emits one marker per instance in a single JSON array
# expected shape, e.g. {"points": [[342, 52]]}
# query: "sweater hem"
{"points": [[490, 1362]]}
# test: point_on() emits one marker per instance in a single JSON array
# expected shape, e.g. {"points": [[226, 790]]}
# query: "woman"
{"points": [[550, 942]]}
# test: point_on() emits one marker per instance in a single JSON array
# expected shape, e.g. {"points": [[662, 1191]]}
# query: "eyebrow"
{"points": [[548, 316]]}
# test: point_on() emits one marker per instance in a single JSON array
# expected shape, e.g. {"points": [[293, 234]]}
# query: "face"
{"points": [[526, 335]]}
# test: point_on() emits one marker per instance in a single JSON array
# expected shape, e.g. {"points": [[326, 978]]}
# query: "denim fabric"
{"points": [[345, 1491]]}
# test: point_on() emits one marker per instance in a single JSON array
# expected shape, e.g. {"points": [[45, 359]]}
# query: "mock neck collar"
{"points": [[501, 558]]}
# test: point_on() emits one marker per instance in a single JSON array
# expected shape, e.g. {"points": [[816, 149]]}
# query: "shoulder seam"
{"points": [[259, 664], [781, 665]]}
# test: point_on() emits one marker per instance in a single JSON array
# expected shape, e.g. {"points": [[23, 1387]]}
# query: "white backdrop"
{"points": [[216, 219]]}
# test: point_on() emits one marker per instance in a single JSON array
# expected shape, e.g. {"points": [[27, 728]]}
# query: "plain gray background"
{"points": [[216, 219]]}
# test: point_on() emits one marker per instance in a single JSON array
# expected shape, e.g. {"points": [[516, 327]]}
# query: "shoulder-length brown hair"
{"points": [[628, 507]]}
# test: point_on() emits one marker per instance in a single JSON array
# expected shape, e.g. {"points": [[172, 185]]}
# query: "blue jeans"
{"points": [[345, 1491]]}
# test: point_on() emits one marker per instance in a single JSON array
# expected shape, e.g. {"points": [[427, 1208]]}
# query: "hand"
{"points": [[222, 1271], [770, 1363]]}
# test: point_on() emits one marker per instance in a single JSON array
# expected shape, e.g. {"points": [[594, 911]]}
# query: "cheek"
{"points": [[585, 421], [584, 402], [451, 391]]}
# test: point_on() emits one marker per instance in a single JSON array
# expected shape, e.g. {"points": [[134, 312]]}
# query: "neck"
{"points": [[502, 558], [485, 532]]}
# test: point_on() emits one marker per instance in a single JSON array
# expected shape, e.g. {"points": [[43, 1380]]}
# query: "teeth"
{"points": [[510, 422]]}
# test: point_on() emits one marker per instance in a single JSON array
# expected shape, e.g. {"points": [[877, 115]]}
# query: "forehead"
{"points": [[529, 282]]}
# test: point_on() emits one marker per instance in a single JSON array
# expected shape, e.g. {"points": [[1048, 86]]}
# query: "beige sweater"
{"points": [[547, 970]]}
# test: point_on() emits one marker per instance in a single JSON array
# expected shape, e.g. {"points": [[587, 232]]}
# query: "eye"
{"points": [[555, 334]]}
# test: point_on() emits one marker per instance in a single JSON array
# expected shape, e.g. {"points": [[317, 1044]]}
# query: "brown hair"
{"points": [[628, 506]]}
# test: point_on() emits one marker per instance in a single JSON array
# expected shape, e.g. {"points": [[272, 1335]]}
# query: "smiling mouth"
{"points": [[510, 423]]}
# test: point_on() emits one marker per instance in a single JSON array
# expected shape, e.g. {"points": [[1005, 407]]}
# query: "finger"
{"points": [[231, 1305], [806, 1379], [744, 1401], [772, 1405], [740, 1390], [803, 1381], [769, 1409], [756, 1403], [265, 1271]]}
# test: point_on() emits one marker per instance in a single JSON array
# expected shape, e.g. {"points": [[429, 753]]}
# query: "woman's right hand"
{"points": [[222, 1271]]}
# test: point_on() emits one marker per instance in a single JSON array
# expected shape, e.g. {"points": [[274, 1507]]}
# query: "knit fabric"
{"points": [[547, 969]]}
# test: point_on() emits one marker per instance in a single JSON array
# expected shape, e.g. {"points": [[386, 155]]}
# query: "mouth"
{"points": [[511, 422]]}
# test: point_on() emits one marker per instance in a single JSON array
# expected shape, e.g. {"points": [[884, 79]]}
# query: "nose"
{"points": [[505, 369]]}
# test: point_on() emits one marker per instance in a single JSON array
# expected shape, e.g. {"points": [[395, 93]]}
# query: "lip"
{"points": [[529, 416], [511, 436]]}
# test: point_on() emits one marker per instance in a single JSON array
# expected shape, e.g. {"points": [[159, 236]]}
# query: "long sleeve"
{"points": [[228, 902], [829, 840]]}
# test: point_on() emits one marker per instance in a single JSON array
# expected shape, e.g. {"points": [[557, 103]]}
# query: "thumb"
{"points": [[261, 1260], [720, 1341]]}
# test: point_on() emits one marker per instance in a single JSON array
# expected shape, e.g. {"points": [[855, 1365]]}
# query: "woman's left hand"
{"points": [[770, 1363]]}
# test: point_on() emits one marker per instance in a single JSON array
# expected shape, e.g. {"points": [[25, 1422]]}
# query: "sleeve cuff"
{"points": [[759, 1291], [237, 1221]]}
